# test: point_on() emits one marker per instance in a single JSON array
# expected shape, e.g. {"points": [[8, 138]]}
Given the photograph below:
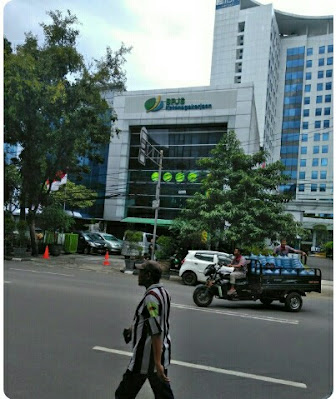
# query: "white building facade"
{"points": [[186, 124], [289, 59]]}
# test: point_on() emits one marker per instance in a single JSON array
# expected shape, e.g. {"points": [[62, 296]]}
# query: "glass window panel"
{"points": [[313, 187], [319, 86], [303, 163], [305, 125], [329, 60], [324, 161], [310, 51], [319, 99], [317, 136], [315, 162], [321, 61], [309, 63], [323, 187], [307, 100], [321, 49], [323, 174], [326, 123], [329, 73], [303, 150], [302, 175], [306, 112], [325, 149], [301, 187], [328, 86], [304, 137], [318, 111], [308, 75], [307, 88], [320, 74], [327, 111], [328, 98], [317, 124], [316, 149], [330, 48], [314, 174], [325, 137]]}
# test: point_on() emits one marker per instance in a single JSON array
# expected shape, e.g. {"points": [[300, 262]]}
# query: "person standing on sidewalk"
{"points": [[150, 337]]}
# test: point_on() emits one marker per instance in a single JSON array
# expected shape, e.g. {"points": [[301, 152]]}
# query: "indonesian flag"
{"points": [[60, 178]]}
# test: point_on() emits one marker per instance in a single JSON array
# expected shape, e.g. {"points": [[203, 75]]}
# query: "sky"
{"points": [[171, 40]]}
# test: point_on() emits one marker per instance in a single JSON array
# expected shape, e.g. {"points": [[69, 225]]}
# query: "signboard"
{"points": [[226, 3], [143, 146], [172, 104]]}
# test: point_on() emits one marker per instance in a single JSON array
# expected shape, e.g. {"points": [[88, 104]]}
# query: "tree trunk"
{"points": [[33, 240]]}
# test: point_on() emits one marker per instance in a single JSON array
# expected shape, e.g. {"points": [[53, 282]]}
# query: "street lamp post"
{"points": [[147, 150]]}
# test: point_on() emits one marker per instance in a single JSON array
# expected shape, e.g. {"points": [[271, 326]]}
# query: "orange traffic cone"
{"points": [[46, 253], [106, 261]]}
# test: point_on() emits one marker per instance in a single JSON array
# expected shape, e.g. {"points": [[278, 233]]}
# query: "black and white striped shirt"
{"points": [[151, 318]]}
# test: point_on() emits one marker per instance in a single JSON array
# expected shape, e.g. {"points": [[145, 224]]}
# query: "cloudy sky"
{"points": [[172, 40]]}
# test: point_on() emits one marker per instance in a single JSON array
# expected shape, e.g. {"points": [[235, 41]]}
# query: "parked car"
{"points": [[113, 241], [194, 264], [91, 243]]}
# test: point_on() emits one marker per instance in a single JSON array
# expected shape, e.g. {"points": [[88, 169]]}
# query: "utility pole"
{"points": [[147, 150]]}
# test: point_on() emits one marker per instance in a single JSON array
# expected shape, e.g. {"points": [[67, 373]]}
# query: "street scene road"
{"points": [[63, 338]]}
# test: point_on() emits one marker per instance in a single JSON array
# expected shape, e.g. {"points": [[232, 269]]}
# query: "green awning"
{"points": [[160, 222]]}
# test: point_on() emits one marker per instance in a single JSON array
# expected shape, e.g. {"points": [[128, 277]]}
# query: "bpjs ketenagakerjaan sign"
{"points": [[226, 3], [172, 104]]}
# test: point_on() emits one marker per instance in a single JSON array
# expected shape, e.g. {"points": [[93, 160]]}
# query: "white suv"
{"points": [[195, 262]]}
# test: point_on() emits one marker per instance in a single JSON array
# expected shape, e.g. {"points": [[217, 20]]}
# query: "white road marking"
{"points": [[243, 315], [35, 271], [213, 369]]}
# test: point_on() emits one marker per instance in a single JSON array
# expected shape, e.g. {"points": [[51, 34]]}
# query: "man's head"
{"points": [[237, 252], [283, 242], [149, 273]]}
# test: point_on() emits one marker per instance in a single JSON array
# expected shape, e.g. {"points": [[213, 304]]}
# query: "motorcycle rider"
{"points": [[240, 269]]}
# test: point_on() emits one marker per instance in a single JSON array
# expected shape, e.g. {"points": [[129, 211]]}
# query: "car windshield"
{"points": [[94, 236], [109, 237]]}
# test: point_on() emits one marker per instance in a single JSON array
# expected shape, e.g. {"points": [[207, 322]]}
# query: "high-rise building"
{"points": [[289, 59]]}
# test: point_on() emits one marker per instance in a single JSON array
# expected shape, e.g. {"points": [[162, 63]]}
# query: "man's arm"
{"points": [[157, 349]]}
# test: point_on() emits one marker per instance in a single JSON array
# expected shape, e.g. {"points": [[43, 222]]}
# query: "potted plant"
{"points": [[165, 253], [132, 248], [54, 220], [21, 239]]}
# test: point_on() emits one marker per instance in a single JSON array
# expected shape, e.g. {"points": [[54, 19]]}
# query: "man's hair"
{"points": [[153, 268], [239, 249]]}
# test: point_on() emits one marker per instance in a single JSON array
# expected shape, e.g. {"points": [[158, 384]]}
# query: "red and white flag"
{"points": [[60, 178]]}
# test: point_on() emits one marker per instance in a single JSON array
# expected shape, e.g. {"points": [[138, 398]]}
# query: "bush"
{"points": [[328, 247], [167, 247]]}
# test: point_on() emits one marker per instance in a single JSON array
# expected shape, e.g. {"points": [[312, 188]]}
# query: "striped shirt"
{"points": [[151, 318]]}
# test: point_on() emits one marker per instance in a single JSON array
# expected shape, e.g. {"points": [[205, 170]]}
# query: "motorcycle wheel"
{"points": [[202, 297]]}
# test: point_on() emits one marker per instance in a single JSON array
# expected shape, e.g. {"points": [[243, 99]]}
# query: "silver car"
{"points": [[114, 243]]}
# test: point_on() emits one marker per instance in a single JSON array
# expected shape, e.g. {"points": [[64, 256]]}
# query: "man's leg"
{"points": [[232, 282], [130, 385], [161, 389]]}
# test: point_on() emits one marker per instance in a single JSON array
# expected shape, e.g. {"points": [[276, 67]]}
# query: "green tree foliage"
{"points": [[12, 184], [75, 196], [53, 218], [239, 203], [54, 108]]}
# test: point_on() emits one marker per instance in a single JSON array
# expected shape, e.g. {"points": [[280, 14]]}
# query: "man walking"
{"points": [[150, 338]]}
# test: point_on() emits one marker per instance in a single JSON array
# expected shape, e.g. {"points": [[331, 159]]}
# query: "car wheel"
{"points": [[189, 278], [293, 302], [86, 251]]}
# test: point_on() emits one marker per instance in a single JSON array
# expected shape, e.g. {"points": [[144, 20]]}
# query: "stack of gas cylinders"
{"points": [[286, 265]]}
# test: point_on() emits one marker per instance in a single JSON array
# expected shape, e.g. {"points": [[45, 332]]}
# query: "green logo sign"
{"points": [[172, 104], [154, 104], [155, 176], [167, 176]]}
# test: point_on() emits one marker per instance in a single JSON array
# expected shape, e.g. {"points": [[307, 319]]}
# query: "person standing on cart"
{"points": [[283, 249]]}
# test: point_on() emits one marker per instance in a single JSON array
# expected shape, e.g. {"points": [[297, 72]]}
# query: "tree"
{"points": [[54, 107], [239, 203], [74, 196]]}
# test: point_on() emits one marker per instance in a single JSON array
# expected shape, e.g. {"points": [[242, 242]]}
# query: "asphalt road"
{"points": [[63, 340]]}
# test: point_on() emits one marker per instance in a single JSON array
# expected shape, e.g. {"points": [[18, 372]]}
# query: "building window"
{"points": [[303, 150], [316, 149], [318, 99], [315, 162], [324, 161], [325, 137], [307, 88], [326, 123], [310, 51], [329, 73], [317, 124], [330, 48], [308, 75], [302, 175], [328, 86], [321, 49], [319, 86], [318, 111], [323, 187], [321, 62], [323, 174], [301, 187], [328, 98], [306, 112], [313, 187], [327, 111], [317, 136], [325, 149], [314, 174], [320, 74], [329, 60], [307, 100], [309, 63], [303, 163], [304, 137], [305, 125]]}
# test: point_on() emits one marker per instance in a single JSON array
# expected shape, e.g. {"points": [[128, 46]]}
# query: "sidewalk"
{"points": [[117, 264]]}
